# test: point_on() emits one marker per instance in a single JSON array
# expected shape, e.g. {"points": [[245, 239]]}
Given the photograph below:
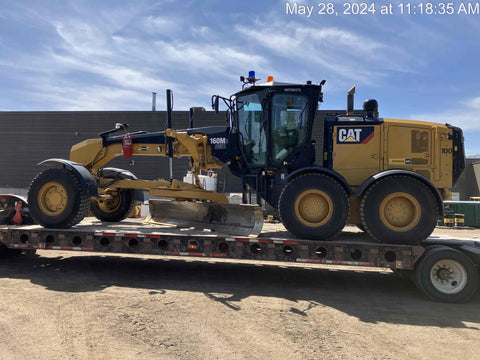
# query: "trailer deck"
{"points": [[444, 267], [137, 237]]}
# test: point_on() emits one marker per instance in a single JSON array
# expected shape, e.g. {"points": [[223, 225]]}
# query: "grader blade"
{"points": [[234, 219]]}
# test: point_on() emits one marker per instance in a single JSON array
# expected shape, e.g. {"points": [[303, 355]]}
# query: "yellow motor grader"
{"points": [[387, 176]]}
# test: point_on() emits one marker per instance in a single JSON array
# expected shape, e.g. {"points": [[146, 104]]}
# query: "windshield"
{"points": [[251, 124], [289, 123]]}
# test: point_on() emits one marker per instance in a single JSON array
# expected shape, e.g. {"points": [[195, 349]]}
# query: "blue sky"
{"points": [[110, 55]]}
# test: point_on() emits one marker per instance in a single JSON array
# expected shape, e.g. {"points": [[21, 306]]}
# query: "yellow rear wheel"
{"points": [[400, 211], [52, 198]]}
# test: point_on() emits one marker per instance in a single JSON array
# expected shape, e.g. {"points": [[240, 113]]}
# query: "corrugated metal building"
{"points": [[27, 138]]}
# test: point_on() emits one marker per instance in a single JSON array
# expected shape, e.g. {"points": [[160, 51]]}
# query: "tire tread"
{"points": [[433, 254], [371, 189], [84, 200], [299, 178]]}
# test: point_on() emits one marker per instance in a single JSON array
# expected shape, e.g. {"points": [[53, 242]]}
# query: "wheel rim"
{"points": [[448, 276], [52, 198], [400, 211], [313, 208], [111, 204]]}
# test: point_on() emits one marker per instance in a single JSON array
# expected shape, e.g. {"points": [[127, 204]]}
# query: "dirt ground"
{"points": [[69, 305]]}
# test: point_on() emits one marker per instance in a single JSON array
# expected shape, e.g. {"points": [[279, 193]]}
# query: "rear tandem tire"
{"points": [[313, 206], [56, 199], [116, 209], [447, 275], [399, 210]]}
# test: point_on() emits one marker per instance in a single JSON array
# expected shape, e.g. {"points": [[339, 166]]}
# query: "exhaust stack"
{"points": [[154, 100], [350, 94]]}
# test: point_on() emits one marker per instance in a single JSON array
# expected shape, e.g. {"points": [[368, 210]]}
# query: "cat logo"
{"points": [[355, 135]]}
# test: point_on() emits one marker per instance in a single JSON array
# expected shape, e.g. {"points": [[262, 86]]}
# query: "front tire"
{"points": [[314, 206], [56, 199], [399, 210], [118, 207], [446, 275]]}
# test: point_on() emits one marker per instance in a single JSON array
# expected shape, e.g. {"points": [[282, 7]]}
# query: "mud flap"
{"points": [[233, 219]]}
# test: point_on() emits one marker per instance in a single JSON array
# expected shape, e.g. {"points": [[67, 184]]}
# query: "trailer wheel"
{"points": [[314, 206], [118, 207], [399, 210], [447, 275], [56, 199]]}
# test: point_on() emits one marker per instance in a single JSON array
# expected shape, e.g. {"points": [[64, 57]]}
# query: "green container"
{"points": [[471, 210]]}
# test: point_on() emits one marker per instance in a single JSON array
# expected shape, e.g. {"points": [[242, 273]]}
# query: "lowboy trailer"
{"points": [[445, 269]]}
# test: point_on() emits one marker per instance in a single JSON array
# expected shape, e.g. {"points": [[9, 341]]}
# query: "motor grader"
{"points": [[387, 176]]}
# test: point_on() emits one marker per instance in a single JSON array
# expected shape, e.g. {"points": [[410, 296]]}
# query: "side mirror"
{"points": [[215, 103], [320, 96]]}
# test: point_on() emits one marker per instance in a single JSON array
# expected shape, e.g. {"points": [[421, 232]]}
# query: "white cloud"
{"points": [[473, 103], [119, 75], [465, 115], [89, 97], [136, 49], [346, 54], [201, 31], [207, 58], [162, 25], [137, 64], [103, 68], [83, 39], [101, 65]]}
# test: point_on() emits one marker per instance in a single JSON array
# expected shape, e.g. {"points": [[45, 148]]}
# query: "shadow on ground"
{"points": [[370, 296]]}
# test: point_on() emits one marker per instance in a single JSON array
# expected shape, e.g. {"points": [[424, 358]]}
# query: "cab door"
{"points": [[357, 150]]}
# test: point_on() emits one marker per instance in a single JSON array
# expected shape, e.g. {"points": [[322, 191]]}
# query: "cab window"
{"points": [[251, 125], [289, 123]]}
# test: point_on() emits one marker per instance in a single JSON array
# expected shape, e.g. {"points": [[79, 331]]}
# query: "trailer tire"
{"points": [[116, 209], [446, 275], [314, 206], [399, 210], [56, 199]]}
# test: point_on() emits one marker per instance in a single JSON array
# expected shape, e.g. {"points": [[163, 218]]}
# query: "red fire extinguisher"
{"points": [[127, 146]]}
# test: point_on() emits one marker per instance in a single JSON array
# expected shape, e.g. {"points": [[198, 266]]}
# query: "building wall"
{"points": [[467, 184], [27, 138]]}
